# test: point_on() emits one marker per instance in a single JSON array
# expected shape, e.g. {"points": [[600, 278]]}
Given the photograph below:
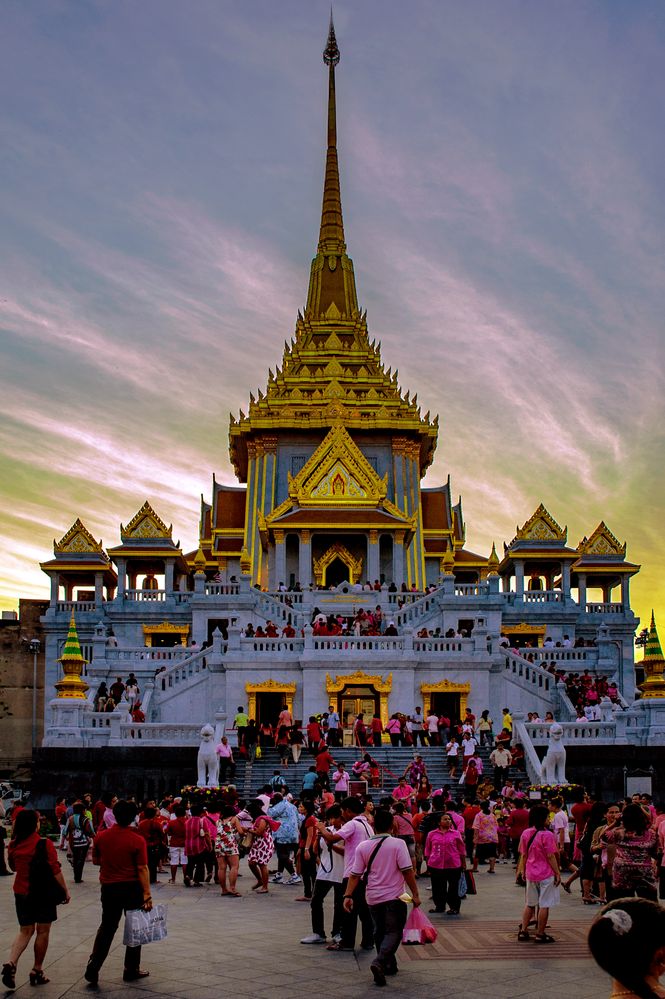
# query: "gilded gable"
{"points": [[78, 541], [541, 527], [602, 542], [145, 524], [337, 472]]}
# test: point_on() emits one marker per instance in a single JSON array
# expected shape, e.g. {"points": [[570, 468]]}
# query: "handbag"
{"points": [[462, 886], [470, 883], [258, 753], [41, 879], [418, 929], [143, 927]]}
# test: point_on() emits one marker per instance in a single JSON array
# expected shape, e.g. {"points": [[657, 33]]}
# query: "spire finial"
{"points": [[331, 277], [331, 51]]}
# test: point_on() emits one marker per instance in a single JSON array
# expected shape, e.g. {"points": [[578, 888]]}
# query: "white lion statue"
{"points": [[554, 764], [207, 760]]}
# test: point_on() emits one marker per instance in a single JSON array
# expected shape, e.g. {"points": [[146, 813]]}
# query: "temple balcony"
{"points": [[78, 606]]}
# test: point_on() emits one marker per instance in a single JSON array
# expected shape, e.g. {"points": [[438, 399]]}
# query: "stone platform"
{"points": [[248, 948]]}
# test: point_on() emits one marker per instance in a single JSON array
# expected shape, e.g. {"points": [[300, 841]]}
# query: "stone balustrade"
{"points": [[139, 654], [78, 606], [528, 673], [471, 589], [355, 644], [587, 657], [179, 672], [161, 733], [605, 608], [443, 645], [291, 598], [272, 645], [574, 733], [542, 597], [156, 596], [222, 589]]}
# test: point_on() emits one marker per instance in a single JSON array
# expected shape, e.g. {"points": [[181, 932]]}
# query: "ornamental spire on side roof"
{"points": [[332, 289], [653, 650], [654, 666]]}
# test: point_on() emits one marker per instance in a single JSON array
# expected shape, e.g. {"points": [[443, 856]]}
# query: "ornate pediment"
{"points": [[337, 473], [78, 541], [341, 552], [541, 527], [145, 524], [602, 542]]}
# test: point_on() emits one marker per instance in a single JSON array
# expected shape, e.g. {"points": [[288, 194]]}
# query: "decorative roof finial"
{"points": [[331, 51]]}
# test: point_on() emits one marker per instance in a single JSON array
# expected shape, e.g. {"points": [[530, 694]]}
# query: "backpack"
{"points": [[79, 837]]}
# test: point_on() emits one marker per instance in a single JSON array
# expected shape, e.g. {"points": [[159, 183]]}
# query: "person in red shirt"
{"points": [[152, 830], [516, 822], [34, 914], [313, 734], [176, 832], [122, 857], [469, 813], [324, 762]]}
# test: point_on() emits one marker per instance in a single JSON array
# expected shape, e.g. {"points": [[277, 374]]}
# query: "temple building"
{"points": [[330, 516]]}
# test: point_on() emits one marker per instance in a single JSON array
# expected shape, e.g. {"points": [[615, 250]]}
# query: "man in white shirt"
{"points": [[329, 874], [333, 727], [356, 830], [469, 746], [432, 723], [560, 826], [417, 727]]}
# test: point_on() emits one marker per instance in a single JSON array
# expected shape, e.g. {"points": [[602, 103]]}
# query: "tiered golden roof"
{"points": [[331, 372]]}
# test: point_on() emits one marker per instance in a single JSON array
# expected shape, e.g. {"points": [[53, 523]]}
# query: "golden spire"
{"points": [[332, 289], [73, 662]]}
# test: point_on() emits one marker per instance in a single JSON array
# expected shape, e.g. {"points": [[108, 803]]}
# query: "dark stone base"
{"points": [[601, 768], [147, 772]]}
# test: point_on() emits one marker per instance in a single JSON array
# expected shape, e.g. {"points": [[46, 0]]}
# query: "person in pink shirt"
{"points": [[403, 792], [539, 862], [445, 854], [385, 861], [340, 781]]}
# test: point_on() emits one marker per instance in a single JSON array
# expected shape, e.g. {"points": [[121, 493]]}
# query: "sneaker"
{"points": [[313, 938], [276, 879], [337, 938], [295, 879]]}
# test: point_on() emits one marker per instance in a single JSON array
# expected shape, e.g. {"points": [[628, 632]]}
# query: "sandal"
{"points": [[566, 887], [543, 938], [523, 934], [38, 978], [9, 975]]}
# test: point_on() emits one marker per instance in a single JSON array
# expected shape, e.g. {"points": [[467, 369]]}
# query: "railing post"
{"points": [[408, 641], [309, 644], [233, 632]]}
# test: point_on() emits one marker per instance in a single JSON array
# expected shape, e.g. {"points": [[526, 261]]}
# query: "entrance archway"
{"points": [[445, 696], [337, 553], [337, 573], [356, 689], [264, 698]]}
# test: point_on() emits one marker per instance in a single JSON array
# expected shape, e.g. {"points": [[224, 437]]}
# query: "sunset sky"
{"points": [[503, 184]]}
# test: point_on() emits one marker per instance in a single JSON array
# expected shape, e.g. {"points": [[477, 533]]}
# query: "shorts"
{"points": [[177, 856], [485, 850], [34, 910], [543, 893]]}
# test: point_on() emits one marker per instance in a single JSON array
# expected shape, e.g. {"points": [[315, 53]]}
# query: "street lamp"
{"points": [[34, 647]]}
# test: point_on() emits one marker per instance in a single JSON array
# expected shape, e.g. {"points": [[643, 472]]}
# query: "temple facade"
{"points": [[329, 516]]}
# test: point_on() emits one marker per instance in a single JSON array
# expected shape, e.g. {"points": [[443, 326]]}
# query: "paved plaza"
{"points": [[249, 947]]}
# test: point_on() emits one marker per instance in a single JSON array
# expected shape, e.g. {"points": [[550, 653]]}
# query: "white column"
{"points": [[519, 576], [305, 558]]}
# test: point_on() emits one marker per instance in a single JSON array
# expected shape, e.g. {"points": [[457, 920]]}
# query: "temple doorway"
{"points": [[447, 704], [268, 707], [337, 573], [353, 701]]}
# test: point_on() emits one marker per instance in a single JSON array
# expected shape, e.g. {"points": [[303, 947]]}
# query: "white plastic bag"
{"points": [[143, 927]]}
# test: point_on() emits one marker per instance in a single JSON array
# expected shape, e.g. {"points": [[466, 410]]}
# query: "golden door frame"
{"points": [[269, 687], [361, 679], [445, 687], [320, 565]]}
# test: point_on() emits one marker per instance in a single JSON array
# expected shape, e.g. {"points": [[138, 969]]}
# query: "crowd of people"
{"points": [[325, 840]]}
